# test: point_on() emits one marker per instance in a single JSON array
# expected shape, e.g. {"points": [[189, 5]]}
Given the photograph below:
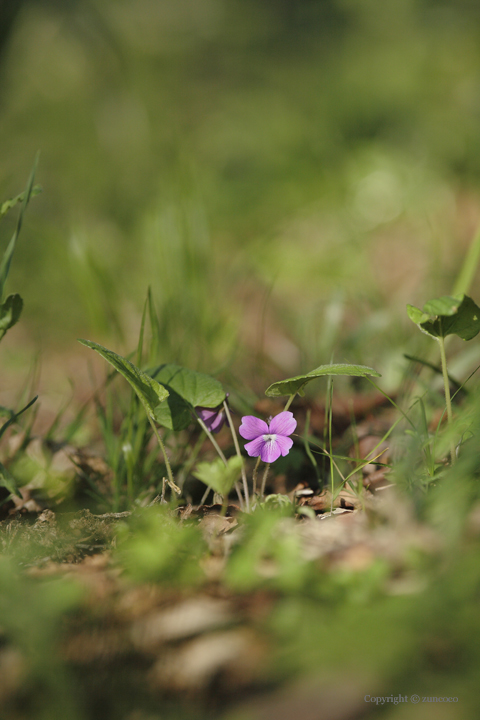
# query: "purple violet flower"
{"points": [[213, 418], [271, 440]]}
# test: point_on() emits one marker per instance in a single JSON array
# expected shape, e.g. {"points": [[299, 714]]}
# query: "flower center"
{"points": [[269, 438]]}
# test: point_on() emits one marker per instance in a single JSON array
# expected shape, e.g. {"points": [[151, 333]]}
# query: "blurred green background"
{"points": [[285, 175]]}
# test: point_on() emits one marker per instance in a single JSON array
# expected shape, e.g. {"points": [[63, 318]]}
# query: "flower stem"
{"points": [[254, 477], [171, 481], [330, 413], [212, 439], [205, 495], [448, 401], [289, 402], [264, 481], [223, 511], [219, 451], [237, 448]]}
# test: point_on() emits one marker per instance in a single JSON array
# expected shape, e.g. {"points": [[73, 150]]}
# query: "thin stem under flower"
{"points": [[330, 418], [212, 439], [448, 401], [237, 448], [205, 495], [255, 473], [171, 481], [264, 481], [219, 451]]}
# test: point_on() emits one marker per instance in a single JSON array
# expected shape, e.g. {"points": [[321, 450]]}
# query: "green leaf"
{"points": [[8, 481], [174, 413], [197, 389], [415, 314], [150, 392], [7, 256], [219, 477], [10, 312], [188, 389], [294, 385], [457, 315]]}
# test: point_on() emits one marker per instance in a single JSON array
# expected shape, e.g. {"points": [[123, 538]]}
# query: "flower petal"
{"points": [[255, 448], [284, 443], [217, 423], [213, 418], [271, 450], [252, 427], [283, 424]]}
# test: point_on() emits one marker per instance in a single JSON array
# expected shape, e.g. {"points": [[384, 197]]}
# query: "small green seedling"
{"points": [[457, 315], [220, 477]]}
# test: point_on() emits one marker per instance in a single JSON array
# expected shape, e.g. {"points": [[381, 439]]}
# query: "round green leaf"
{"points": [[218, 476], [457, 315], [295, 385], [174, 413], [197, 389]]}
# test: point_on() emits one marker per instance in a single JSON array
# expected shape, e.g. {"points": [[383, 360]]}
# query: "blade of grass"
{"points": [[9, 422], [8, 254], [306, 445], [436, 368], [466, 275]]}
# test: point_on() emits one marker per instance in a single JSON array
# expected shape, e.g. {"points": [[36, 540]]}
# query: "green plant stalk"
{"points": [[212, 440], [223, 511], [306, 445], [164, 453], [264, 481], [220, 453], [448, 401], [289, 402], [130, 491], [237, 449], [255, 473], [330, 412], [205, 495], [466, 275]]}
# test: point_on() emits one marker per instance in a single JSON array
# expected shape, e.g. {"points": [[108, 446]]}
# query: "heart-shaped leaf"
{"points": [[150, 392], [457, 315], [219, 477], [188, 389], [174, 413], [10, 312], [198, 389], [295, 385]]}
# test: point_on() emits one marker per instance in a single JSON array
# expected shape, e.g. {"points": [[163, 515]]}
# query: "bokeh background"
{"points": [[285, 175]]}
